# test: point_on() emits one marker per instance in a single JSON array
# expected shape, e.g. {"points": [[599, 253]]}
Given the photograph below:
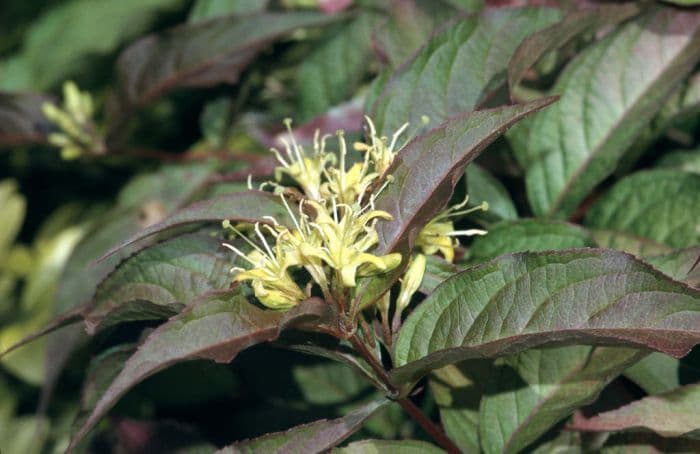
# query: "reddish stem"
{"points": [[429, 426], [409, 407]]}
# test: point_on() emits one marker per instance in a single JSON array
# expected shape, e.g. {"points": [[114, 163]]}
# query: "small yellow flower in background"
{"points": [[78, 134], [439, 235]]}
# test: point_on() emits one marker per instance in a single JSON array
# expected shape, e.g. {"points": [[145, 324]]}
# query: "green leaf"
{"points": [[660, 205], [387, 446], [659, 373], [484, 187], [565, 442], [671, 414], [458, 390], [539, 43], [14, 207], [216, 327], [24, 435], [203, 54], [248, 206], [437, 270], [329, 348], [682, 265], [521, 301], [684, 161], [426, 170], [458, 69], [648, 443], [328, 383], [51, 51], [681, 107], [534, 390], [333, 71], [170, 186], [528, 235], [161, 280], [628, 242], [410, 24], [317, 436], [209, 9], [609, 93], [161, 192], [683, 2], [21, 119]]}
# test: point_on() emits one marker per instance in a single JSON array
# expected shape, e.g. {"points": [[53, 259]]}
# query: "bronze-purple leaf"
{"points": [[538, 44], [521, 301], [248, 206], [317, 436], [216, 327], [671, 414], [426, 170], [199, 55], [21, 119]]}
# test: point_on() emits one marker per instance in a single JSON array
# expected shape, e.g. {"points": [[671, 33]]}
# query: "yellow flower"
{"points": [[410, 283], [78, 132], [347, 239], [381, 153], [439, 235], [347, 187], [271, 282], [307, 171]]}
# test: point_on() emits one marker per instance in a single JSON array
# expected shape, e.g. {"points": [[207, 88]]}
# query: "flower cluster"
{"points": [[78, 133], [333, 233]]}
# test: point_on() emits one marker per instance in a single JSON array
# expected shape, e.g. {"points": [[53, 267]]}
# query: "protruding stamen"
{"points": [[264, 242], [239, 253], [343, 152], [291, 214], [335, 209], [295, 146], [245, 238], [317, 134], [273, 220], [396, 135], [462, 204], [271, 231], [469, 232], [279, 157]]}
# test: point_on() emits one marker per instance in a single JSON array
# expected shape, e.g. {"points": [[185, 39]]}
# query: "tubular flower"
{"points": [[381, 154], [410, 283], [271, 282], [307, 171], [347, 238], [347, 187], [439, 235], [332, 235]]}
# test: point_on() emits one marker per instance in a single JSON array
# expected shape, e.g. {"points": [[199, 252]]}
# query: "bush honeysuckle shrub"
{"points": [[481, 235]]}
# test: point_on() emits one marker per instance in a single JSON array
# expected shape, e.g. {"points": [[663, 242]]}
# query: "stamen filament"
{"points": [[264, 242], [469, 232], [241, 254]]}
